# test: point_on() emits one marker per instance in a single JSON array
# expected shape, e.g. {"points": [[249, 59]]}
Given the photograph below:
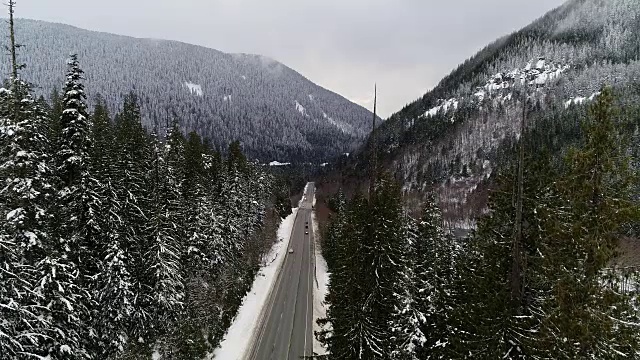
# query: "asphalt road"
{"points": [[285, 330]]}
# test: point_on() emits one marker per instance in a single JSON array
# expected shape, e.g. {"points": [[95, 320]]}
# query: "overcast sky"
{"points": [[406, 46]]}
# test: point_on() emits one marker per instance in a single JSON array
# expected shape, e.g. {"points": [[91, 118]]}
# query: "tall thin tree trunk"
{"points": [[516, 250], [12, 36], [374, 159]]}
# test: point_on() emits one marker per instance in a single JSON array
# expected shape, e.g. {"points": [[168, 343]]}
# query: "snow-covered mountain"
{"points": [[278, 114], [453, 137]]}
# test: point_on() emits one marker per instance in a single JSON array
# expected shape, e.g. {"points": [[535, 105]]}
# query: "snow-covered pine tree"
{"points": [[589, 317], [132, 188], [384, 251], [65, 268], [436, 253], [484, 320], [24, 198], [112, 286], [429, 289], [408, 319], [349, 327], [335, 227], [167, 232], [229, 207], [24, 231]]}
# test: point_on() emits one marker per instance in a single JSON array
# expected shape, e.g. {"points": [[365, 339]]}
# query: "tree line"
{"points": [[537, 279], [115, 242]]}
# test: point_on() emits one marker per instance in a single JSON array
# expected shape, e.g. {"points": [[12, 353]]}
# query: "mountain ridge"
{"points": [[451, 140], [223, 96]]}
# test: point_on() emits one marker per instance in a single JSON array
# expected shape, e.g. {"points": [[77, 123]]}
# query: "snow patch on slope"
{"points": [[538, 75], [579, 100], [301, 109], [226, 98], [444, 106], [277, 163], [343, 126], [194, 88], [238, 337]]}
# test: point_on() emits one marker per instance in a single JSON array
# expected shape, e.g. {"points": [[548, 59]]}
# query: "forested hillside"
{"points": [[538, 279], [116, 242], [531, 147], [454, 137], [274, 111]]}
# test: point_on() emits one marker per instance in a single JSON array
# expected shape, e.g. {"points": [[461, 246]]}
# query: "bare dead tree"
{"points": [[374, 159], [12, 37], [516, 247]]}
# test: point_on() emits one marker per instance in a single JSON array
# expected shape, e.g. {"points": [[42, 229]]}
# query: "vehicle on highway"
{"points": [[306, 232], [290, 251]]}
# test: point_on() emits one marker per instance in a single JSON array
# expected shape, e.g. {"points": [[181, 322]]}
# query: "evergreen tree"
{"points": [[24, 200], [368, 255], [112, 286], [385, 250], [346, 318], [24, 235], [429, 290], [69, 260], [588, 317], [167, 231], [131, 187]]}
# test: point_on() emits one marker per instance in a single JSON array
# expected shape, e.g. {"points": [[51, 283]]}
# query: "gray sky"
{"points": [[406, 46]]}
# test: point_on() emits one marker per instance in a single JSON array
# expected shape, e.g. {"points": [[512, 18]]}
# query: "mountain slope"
{"points": [[454, 137], [276, 112]]}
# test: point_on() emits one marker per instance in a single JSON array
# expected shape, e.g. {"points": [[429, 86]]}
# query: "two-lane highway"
{"points": [[286, 329]]}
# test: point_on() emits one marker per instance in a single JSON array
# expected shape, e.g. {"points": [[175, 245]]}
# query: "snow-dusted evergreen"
{"points": [[115, 243], [224, 97], [555, 290], [25, 235]]}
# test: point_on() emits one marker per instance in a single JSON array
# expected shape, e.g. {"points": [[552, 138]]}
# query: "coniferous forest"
{"points": [[537, 279], [490, 224], [114, 242]]}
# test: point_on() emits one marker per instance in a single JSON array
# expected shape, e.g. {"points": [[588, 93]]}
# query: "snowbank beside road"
{"points": [[321, 286], [238, 337]]}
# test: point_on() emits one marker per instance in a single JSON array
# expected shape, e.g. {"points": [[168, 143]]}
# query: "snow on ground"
{"points": [[226, 98], [239, 335], [194, 88], [310, 97], [321, 285], [301, 108], [277, 163], [499, 84], [444, 106], [580, 100], [343, 126]]}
